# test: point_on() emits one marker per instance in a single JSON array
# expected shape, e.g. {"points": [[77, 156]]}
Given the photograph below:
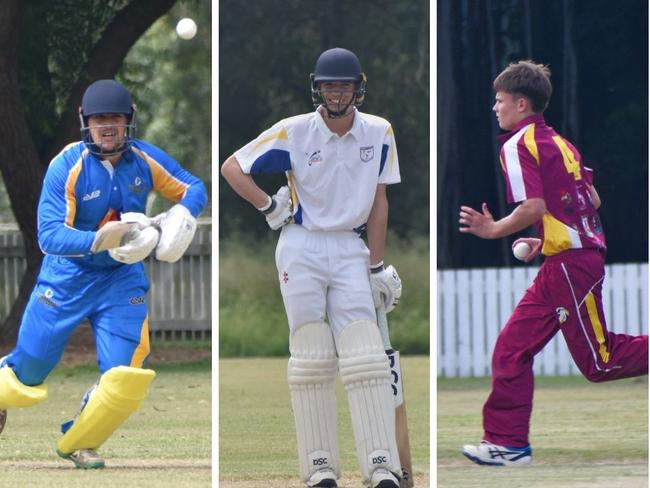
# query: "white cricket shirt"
{"points": [[333, 179]]}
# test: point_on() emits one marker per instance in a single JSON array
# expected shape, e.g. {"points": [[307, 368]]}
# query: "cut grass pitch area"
{"points": [[167, 443], [583, 435], [257, 440]]}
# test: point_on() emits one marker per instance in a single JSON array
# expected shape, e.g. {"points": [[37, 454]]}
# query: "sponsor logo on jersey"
{"points": [[91, 196], [315, 158], [285, 277], [367, 153], [137, 300]]}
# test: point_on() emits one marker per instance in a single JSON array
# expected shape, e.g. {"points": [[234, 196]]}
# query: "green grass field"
{"points": [[256, 431], [583, 435], [252, 320], [167, 443]]}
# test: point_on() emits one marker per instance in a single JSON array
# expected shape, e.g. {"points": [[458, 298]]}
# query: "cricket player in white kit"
{"points": [[338, 162]]}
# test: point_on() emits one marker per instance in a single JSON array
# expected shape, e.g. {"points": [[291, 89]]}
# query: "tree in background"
{"points": [[49, 53], [266, 52], [171, 80], [599, 62]]}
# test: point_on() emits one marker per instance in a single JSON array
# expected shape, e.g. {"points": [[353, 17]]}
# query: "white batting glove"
{"points": [[279, 210], [136, 245], [138, 218], [177, 229], [386, 286]]}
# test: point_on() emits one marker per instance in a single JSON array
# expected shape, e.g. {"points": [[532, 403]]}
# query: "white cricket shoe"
{"points": [[490, 454], [323, 478], [382, 478]]}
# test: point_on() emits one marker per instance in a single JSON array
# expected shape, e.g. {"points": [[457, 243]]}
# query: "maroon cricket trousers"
{"points": [[566, 295]]}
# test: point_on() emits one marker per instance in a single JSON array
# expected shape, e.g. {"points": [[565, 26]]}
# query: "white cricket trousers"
{"points": [[324, 277]]}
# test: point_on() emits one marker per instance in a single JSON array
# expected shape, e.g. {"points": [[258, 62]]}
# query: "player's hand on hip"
{"points": [[137, 244], [279, 210], [386, 286], [480, 224], [535, 246]]}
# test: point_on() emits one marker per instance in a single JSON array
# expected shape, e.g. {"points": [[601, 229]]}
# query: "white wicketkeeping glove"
{"points": [[177, 229], [279, 211], [386, 287], [137, 244]]}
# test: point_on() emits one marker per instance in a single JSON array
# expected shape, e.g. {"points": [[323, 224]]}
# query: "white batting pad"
{"points": [[366, 375], [312, 373], [177, 228]]}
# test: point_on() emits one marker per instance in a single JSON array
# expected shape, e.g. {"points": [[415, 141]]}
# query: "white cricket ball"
{"points": [[521, 250], [186, 28]]}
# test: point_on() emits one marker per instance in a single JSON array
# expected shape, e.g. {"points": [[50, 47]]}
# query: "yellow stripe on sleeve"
{"points": [[531, 145], [70, 197], [163, 181], [279, 135], [592, 310], [391, 157], [142, 351]]}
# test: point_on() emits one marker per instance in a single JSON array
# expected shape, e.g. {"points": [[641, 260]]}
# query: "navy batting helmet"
{"points": [[338, 64], [104, 97]]}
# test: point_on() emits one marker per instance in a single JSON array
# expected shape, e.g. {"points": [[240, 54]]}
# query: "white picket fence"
{"points": [[473, 305]]}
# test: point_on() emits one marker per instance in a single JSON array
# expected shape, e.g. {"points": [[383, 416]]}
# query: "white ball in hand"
{"points": [[186, 28], [521, 250]]}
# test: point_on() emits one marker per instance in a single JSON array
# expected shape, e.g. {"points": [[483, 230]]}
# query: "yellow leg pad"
{"points": [[120, 392], [14, 394]]}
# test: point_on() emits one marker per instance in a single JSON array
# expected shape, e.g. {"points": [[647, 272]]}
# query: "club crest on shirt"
{"points": [[366, 153], [315, 158], [137, 186], [562, 314]]}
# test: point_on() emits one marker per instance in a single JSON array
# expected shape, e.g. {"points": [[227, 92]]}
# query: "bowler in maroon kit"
{"points": [[545, 175]]}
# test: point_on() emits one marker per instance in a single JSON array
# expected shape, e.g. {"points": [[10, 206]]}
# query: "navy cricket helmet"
{"points": [[105, 97], [338, 64]]}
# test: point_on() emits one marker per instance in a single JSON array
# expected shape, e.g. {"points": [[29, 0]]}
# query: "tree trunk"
{"points": [[104, 61], [19, 162], [21, 165]]}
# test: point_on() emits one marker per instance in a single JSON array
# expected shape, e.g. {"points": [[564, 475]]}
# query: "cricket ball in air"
{"points": [[521, 250], [186, 28]]}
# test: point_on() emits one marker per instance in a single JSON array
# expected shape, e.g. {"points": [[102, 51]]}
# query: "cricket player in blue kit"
{"points": [[94, 234]]}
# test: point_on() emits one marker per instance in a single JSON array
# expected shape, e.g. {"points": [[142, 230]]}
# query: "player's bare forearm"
{"points": [[483, 225], [243, 184], [378, 225]]}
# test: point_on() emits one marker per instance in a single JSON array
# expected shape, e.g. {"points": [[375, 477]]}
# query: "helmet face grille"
{"points": [[333, 65]]}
